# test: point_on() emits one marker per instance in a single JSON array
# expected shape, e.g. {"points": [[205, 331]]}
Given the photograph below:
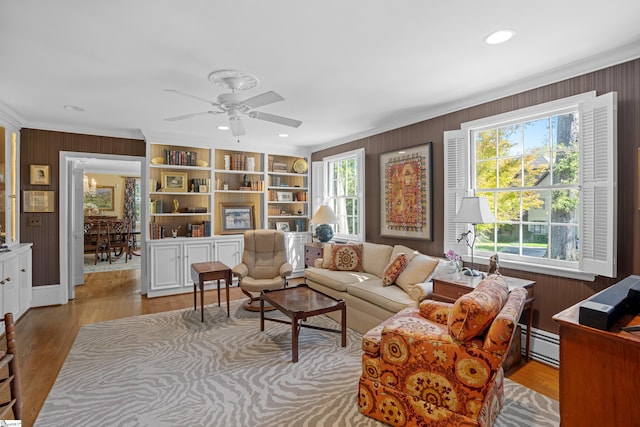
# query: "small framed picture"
{"points": [[285, 196], [39, 174], [237, 217], [284, 226], [174, 181], [39, 201]]}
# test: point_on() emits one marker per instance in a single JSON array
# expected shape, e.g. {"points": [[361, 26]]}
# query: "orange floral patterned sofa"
{"points": [[441, 364]]}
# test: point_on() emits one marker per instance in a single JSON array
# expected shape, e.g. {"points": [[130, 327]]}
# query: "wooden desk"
{"points": [[204, 272], [599, 372], [447, 289]]}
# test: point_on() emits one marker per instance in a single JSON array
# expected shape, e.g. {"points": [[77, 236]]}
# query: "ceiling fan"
{"points": [[235, 104]]}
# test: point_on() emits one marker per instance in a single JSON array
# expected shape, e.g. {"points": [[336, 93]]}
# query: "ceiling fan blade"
{"points": [[188, 116], [237, 129], [275, 119], [215, 104], [263, 99]]}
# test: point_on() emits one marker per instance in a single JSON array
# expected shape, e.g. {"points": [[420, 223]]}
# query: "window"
{"points": [[343, 183], [549, 175]]}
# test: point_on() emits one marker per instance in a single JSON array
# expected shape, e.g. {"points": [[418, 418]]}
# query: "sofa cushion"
{"points": [[346, 257], [390, 298], [472, 313], [375, 257], [394, 268], [417, 271], [337, 280], [410, 253]]}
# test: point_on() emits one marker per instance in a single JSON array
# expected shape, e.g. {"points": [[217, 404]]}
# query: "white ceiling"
{"points": [[347, 68]]}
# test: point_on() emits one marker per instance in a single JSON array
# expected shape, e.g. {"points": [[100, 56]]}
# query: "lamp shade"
{"points": [[324, 215], [474, 210]]}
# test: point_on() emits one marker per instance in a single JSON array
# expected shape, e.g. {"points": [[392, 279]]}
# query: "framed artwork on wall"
{"points": [[237, 217], [406, 193], [284, 226], [39, 174], [102, 199], [39, 201]]}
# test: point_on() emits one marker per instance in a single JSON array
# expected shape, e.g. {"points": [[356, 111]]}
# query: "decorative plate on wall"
{"points": [[300, 166]]}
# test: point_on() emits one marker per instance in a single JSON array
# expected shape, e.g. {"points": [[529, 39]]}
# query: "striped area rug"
{"points": [[169, 369]]}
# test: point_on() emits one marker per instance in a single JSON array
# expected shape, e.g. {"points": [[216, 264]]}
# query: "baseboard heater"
{"points": [[545, 346]]}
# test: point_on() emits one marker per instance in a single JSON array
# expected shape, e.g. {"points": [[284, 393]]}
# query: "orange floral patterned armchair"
{"points": [[441, 364]]}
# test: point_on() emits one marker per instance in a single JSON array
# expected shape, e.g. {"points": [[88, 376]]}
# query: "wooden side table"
{"points": [[204, 272], [312, 251], [448, 289]]}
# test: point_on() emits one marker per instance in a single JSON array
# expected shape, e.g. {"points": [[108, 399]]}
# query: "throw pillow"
{"points": [[346, 257], [393, 269], [326, 255], [472, 313], [417, 271]]}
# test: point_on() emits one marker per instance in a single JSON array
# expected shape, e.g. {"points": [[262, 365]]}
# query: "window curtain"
{"points": [[129, 206]]}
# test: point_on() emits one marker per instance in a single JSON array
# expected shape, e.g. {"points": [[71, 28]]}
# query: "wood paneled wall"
{"points": [[43, 147], [553, 294]]}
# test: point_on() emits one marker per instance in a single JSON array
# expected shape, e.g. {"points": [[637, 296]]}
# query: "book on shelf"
{"points": [[180, 157], [156, 231]]}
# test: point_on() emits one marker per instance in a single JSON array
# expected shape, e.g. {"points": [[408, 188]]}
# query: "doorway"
{"points": [[73, 169]]}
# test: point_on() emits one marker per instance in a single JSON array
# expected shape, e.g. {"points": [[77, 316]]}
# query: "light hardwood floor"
{"points": [[45, 335]]}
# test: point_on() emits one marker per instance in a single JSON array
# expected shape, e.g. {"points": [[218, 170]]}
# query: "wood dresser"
{"points": [[599, 372], [312, 251]]}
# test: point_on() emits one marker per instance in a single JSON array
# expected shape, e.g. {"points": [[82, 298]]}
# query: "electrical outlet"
{"points": [[35, 221]]}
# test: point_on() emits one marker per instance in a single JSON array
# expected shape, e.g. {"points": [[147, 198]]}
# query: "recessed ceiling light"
{"points": [[283, 135], [499, 36], [73, 108], [401, 152], [223, 127]]}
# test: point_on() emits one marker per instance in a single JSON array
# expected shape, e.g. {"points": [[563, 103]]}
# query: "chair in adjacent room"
{"points": [[441, 363], [10, 392], [264, 265], [96, 239], [119, 240]]}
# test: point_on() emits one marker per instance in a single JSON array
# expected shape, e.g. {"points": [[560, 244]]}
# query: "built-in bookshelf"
{"points": [[287, 193], [179, 192]]}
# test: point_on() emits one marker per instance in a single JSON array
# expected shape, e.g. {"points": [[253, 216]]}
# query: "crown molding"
{"points": [[114, 133]]}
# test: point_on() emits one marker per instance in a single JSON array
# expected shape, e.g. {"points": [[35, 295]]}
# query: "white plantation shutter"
{"points": [[318, 193], [598, 185], [456, 184]]}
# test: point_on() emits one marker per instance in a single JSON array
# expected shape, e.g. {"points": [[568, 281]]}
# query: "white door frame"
{"points": [[66, 185]]}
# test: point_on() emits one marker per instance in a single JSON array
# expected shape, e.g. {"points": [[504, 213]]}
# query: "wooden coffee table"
{"points": [[299, 303]]}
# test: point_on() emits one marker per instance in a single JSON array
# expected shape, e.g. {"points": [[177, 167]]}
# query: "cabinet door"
{"points": [[166, 266], [195, 252], [229, 250], [25, 281], [10, 285]]}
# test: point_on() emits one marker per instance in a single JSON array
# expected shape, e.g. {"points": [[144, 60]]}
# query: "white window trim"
{"points": [[458, 158], [359, 155]]}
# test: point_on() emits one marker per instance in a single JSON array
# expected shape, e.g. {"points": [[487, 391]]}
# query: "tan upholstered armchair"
{"points": [[264, 264], [441, 364]]}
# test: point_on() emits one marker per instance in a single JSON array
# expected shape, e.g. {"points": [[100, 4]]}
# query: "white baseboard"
{"points": [[42, 296], [545, 346]]}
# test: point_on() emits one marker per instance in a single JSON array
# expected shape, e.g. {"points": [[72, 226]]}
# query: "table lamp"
{"points": [[324, 216], [473, 210]]}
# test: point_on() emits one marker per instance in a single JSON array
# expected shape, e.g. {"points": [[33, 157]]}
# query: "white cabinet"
{"points": [[295, 247], [228, 249], [15, 281], [171, 261], [25, 281]]}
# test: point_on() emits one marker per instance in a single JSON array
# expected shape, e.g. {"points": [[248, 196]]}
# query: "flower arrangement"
{"points": [[452, 255]]}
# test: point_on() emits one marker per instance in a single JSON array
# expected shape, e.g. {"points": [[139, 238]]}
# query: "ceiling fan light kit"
{"points": [[235, 104]]}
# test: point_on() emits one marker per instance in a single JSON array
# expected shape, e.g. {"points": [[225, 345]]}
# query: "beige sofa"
{"points": [[368, 301]]}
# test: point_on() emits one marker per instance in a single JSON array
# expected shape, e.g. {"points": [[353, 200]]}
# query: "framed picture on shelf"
{"points": [[39, 174], [406, 193], [39, 201], [237, 217], [284, 226], [174, 181], [285, 196], [103, 198]]}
